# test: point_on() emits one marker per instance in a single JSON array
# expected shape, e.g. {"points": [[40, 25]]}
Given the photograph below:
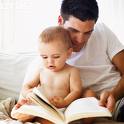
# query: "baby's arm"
{"points": [[75, 90], [29, 84], [26, 88], [75, 86]]}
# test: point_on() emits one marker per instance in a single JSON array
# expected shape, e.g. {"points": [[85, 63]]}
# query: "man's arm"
{"points": [[118, 61], [108, 98]]}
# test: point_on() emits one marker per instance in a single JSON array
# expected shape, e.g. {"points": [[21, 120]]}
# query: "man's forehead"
{"points": [[77, 25]]}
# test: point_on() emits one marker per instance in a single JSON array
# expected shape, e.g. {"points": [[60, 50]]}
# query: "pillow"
{"points": [[12, 72]]}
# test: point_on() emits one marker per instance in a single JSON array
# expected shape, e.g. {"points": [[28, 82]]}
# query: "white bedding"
{"points": [[5, 112]]}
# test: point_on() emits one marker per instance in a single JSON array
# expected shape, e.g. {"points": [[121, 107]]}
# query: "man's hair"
{"points": [[81, 9], [56, 33]]}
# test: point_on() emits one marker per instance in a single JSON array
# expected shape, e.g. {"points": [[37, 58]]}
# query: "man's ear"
{"points": [[60, 20]]}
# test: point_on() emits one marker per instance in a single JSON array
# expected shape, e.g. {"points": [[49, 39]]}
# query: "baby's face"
{"points": [[54, 55]]}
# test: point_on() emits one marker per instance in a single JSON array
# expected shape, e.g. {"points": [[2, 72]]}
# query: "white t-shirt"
{"points": [[94, 60]]}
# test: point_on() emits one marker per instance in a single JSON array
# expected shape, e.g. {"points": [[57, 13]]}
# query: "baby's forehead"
{"points": [[53, 48], [57, 44]]}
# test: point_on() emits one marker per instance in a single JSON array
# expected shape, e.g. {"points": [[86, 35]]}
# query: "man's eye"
{"points": [[89, 33], [56, 57]]}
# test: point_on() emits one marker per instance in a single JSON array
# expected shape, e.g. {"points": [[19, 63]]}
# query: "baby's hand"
{"points": [[58, 101], [16, 115], [23, 101], [20, 103]]}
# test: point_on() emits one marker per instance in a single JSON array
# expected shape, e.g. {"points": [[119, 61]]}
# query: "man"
{"points": [[97, 51]]}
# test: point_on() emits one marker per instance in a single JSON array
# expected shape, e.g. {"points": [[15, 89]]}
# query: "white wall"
{"points": [[21, 21], [112, 14]]}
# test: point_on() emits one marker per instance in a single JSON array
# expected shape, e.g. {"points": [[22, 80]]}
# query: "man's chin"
{"points": [[76, 49]]}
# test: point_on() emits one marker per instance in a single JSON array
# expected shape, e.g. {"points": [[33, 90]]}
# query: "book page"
{"points": [[40, 111], [85, 107], [39, 98]]}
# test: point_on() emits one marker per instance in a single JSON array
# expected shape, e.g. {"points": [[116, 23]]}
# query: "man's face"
{"points": [[80, 31]]}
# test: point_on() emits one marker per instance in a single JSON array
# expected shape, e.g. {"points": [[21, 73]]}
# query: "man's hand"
{"points": [[107, 100]]}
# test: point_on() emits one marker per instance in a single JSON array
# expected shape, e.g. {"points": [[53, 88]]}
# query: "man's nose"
{"points": [[80, 38]]}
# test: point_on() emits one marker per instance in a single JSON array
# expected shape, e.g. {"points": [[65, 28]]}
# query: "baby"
{"points": [[60, 82]]}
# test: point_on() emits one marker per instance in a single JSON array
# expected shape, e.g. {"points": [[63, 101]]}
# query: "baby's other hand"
{"points": [[58, 101]]}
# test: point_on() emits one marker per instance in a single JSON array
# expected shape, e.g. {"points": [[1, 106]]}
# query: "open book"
{"points": [[80, 108]]}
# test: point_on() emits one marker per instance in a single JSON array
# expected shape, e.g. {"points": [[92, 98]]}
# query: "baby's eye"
{"points": [[44, 57]]}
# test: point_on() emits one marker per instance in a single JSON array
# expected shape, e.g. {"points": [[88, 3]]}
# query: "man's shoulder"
{"points": [[100, 26], [100, 33]]}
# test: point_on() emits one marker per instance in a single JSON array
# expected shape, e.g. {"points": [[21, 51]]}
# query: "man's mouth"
{"points": [[75, 45]]}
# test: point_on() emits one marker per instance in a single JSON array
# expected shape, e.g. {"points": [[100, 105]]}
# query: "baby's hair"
{"points": [[56, 33]]}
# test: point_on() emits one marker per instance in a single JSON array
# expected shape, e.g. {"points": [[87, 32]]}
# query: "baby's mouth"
{"points": [[51, 67]]}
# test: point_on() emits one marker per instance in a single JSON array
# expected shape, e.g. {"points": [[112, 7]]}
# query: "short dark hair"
{"points": [[81, 9]]}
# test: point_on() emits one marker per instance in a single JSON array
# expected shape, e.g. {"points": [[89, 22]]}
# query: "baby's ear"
{"points": [[70, 50]]}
